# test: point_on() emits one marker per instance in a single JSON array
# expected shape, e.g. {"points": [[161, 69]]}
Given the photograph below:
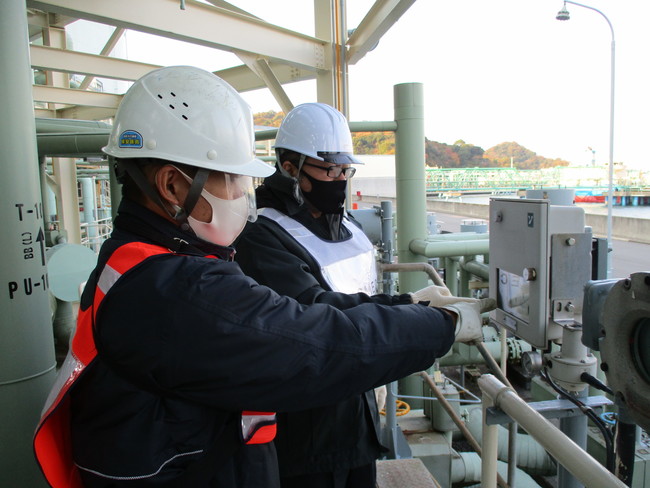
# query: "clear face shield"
{"points": [[232, 199]]}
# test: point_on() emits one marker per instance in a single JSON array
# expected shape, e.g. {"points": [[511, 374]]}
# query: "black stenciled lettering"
{"points": [[20, 206], [13, 286], [28, 286]]}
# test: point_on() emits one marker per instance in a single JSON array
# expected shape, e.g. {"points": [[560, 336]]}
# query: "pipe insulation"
{"points": [[70, 145], [531, 457], [27, 365], [442, 249], [466, 468]]}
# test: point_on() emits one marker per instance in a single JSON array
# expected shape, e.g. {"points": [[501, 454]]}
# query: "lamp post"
{"points": [[564, 15]]}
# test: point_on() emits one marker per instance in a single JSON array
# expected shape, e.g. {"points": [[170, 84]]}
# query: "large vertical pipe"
{"points": [[89, 201], [410, 179], [27, 366], [411, 196]]}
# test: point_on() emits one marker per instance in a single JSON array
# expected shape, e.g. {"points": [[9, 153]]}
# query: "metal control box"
{"points": [[539, 263]]}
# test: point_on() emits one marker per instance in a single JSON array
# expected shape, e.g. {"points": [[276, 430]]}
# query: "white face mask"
{"points": [[228, 216], [228, 219]]}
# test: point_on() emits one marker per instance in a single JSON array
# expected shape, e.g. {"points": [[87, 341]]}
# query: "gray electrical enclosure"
{"points": [[539, 263]]}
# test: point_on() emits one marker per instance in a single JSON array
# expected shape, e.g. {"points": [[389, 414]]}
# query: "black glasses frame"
{"points": [[335, 170]]}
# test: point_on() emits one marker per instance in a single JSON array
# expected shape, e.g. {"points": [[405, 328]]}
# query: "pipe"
{"points": [[45, 126], [424, 267], [410, 178], [364, 126], [27, 365], [578, 462], [456, 236], [89, 201], [410, 187], [489, 360], [69, 145], [457, 420], [531, 457], [432, 249], [490, 441], [466, 468], [476, 268], [463, 354], [387, 245]]}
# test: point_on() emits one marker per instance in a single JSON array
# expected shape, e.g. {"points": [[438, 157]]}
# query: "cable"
{"points": [[596, 383], [402, 408], [589, 412]]}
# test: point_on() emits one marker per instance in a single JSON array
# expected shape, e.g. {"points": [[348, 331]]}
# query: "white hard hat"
{"points": [[319, 131], [190, 116]]}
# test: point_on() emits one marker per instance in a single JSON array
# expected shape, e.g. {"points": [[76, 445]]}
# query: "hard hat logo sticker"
{"points": [[130, 139]]}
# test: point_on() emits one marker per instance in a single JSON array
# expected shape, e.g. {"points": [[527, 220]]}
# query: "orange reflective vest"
{"points": [[52, 440]]}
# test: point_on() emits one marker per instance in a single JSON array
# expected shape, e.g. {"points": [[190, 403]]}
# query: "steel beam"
{"points": [[200, 24], [69, 96], [380, 18], [66, 61]]}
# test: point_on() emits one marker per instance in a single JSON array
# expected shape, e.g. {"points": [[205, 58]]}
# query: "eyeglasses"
{"points": [[335, 171]]}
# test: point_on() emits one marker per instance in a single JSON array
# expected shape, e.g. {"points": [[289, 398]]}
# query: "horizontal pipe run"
{"points": [[457, 236], [581, 465], [369, 126], [59, 126], [424, 267], [69, 145], [476, 268], [447, 249]]}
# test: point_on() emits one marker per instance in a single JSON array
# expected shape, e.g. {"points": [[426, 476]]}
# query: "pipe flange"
{"points": [[625, 345]]}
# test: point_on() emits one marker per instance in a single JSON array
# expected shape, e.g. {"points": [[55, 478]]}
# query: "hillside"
{"points": [[438, 154]]}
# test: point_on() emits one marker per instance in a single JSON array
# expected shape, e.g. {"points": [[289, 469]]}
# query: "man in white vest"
{"points": [[305, 246]]}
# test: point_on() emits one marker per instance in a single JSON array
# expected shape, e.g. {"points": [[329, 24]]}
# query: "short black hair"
{"points": [[288, 155], [130, 188]]}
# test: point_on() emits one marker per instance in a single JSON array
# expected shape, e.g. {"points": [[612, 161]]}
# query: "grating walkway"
{"points": [[404, 473]]}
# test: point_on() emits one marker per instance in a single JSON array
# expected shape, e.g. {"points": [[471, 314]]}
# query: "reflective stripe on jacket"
{"points": [[52, 442], [348, 266]]}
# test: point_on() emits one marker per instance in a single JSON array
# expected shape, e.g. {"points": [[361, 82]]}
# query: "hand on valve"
{"points": [[466, 311]]}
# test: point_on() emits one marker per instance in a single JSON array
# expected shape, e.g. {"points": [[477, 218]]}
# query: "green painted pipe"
{"points": [[71, 145], [410, 179], [431, 249], [364, 126], [457, 236], [411, 211], [59, 126]]}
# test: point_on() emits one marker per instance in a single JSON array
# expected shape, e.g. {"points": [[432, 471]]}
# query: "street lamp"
{"points": [[564, 15]]}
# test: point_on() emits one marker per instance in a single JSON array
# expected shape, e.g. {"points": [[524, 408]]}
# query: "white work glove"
{"points": [[469, 324], [437, 296], [380, 396]]}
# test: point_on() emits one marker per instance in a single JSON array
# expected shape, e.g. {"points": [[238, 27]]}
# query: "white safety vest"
{"points": [[347, 266]]}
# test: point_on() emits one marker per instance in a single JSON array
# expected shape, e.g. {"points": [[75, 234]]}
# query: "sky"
{"points": [[492, 72]]}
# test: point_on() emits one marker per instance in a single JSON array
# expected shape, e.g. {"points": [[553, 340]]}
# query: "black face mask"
{"points": [[326, 196]]}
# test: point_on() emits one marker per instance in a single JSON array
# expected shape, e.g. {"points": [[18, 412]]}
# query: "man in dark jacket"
{"points": [[306, 247], [179, 361]]}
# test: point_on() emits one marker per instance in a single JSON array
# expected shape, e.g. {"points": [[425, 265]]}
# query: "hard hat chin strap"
{"points": [[192, 197], [296, 191]]}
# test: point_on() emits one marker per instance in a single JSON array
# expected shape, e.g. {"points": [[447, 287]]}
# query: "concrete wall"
{"points": [[626, 228]]}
